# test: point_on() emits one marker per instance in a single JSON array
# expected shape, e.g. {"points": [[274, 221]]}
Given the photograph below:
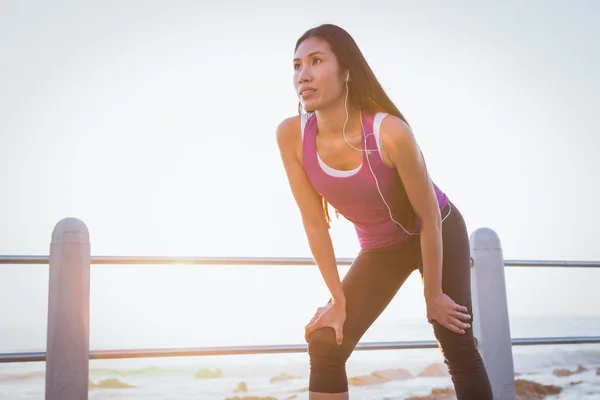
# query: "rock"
{"points": [[443, 392], [437, 394], [575, 383], [379, 377], [241, 387], [566, 372], [598, 371], [251, 398], [562, 372], [209, 374], [282, 377], [112, 383], [392, 374], [437, 369], [529, 390], [363, 380]]}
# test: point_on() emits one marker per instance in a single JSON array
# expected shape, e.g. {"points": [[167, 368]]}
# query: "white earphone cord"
{"points": [[371, 168]]}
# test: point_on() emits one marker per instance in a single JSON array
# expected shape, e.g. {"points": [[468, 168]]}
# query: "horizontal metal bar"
{"points": [[148, 260], [210, 351], [257, 261], [273, 349], [17, 260], [556, 340], [551, 264]]}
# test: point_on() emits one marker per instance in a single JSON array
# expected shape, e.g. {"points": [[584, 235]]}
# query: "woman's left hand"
{"points": [[449, 314]]}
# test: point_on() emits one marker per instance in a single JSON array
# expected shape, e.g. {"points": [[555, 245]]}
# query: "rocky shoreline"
{"points": [[526, 389]]}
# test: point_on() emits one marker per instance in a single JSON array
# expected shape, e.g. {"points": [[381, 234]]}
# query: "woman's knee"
{"points": [[324, 350], [466, 366], [327, 362], [459, 350]]}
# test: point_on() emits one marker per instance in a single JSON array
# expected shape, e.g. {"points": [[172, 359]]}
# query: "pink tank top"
{"points": [[354, 193]]}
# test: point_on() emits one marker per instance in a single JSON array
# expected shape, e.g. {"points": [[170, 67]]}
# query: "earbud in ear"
{"points": [[348, 76]]}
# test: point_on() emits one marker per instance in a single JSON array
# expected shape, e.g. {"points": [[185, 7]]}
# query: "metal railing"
{"points": [[257, 261], [68, 314], [268, 349], [277, 349]]}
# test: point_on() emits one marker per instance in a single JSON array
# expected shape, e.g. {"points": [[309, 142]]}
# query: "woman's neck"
{"points": [[331, 120]]}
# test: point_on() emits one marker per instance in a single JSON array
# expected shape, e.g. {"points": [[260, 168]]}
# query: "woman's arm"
{"points": [[403, 151], [309, 204]]}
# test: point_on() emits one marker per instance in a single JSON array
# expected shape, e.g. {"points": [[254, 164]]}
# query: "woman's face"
{"points": [[318, 78]]}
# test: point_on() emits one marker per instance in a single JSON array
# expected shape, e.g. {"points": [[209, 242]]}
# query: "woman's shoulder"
{"points": [[292, 128], [289, 134], [397, 139], [394, 128], [288, 127]]}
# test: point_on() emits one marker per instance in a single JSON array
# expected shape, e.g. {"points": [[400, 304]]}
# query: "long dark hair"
{"points": [[364, 90]]}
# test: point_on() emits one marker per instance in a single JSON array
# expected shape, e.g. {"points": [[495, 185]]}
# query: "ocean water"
{"points": [[159, 306]]}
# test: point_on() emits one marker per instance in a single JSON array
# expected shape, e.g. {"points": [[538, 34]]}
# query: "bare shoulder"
{"points": [[288, 130], [289, 138], [396, 134]]}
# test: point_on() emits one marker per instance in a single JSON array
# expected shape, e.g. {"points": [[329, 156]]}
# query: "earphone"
{"points": [[369, 162]]}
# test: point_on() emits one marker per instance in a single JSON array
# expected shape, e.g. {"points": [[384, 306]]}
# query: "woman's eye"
{"points": [[296, 66], [315, 60]]}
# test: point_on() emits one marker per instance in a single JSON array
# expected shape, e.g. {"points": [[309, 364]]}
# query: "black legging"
{"points": [[369, 286]]}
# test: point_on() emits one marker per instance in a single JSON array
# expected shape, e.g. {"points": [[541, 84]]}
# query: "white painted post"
{"points": [[67, 349], [490, 312]]}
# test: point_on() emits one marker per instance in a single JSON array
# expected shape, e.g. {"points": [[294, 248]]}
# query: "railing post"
{"points": [[490, 312], [67, 348]]}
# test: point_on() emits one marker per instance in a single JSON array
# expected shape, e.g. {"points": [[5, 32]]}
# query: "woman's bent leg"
{"points": [[459, 350], [370, 284]]}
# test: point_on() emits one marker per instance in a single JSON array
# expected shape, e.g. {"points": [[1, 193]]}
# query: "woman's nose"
{"points": [[303, 75]]}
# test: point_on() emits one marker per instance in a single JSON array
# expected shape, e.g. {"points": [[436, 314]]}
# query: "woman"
{"points": [[354, 150]]}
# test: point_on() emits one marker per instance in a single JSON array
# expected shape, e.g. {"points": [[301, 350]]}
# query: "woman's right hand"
{"points": [[331, 315]]}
